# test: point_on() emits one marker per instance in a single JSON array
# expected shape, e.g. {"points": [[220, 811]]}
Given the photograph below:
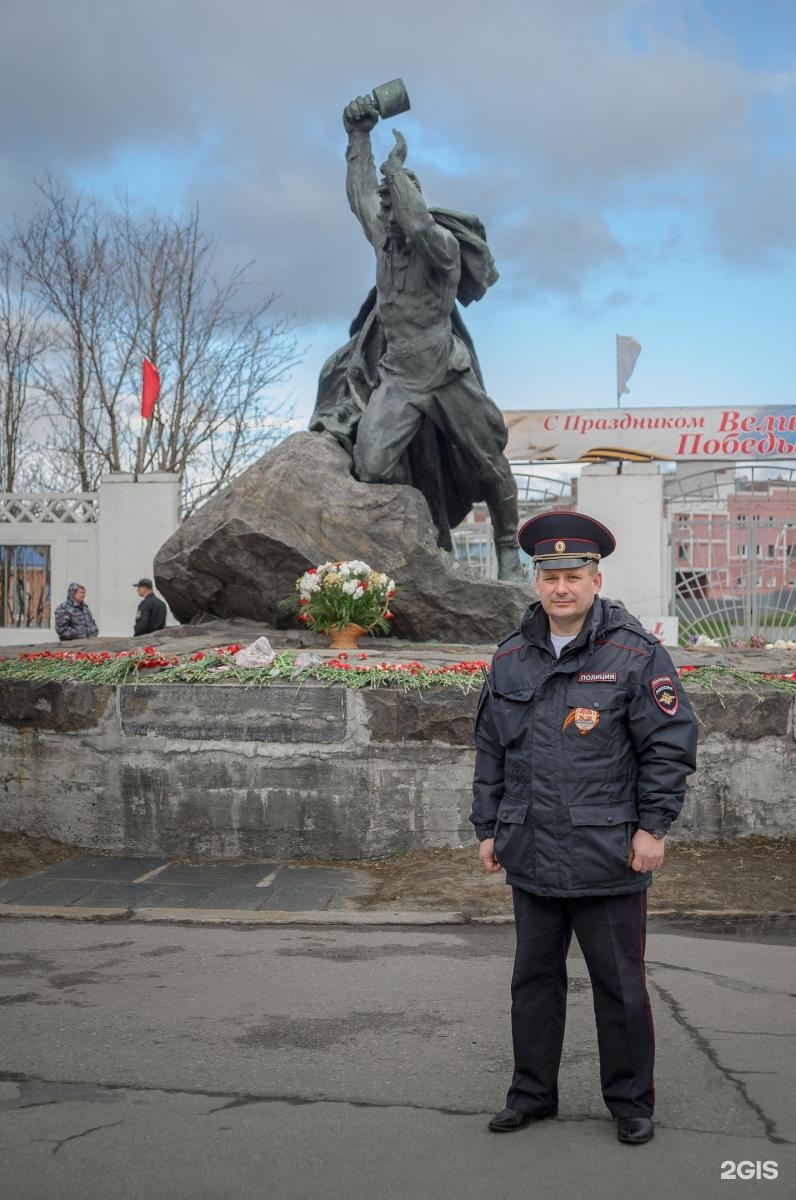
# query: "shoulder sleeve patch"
{"points": [[664, 693]]}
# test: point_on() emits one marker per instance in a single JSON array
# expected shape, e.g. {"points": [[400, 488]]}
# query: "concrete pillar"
{"points": [[639, 572], [135, 519]]}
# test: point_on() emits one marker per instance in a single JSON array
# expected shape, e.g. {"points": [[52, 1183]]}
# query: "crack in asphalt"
{"points": [[235, 1100], [711, 1054], [734, 985], [85, 1133], [746, 1032]]}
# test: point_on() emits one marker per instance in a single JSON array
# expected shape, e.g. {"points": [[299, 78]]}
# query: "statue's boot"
{"points": [[508, 558], [501, 500]]}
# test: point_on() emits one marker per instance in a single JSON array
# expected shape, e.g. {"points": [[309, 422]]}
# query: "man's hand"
{"points": [[361, 115], [646, 852], [397, 156], [486, 853]]}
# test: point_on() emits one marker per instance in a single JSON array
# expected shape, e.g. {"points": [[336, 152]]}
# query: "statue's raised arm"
{"points": [[402, 199], [362, 185]]}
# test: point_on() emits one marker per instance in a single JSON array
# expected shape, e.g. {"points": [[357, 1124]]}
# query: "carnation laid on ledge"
{"points": [[221, 665]]}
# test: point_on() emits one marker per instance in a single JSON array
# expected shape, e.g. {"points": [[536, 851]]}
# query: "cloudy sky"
{"points": [[633, 161]]}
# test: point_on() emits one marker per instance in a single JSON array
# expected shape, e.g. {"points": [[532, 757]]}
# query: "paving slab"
{"points": [[216, 875], [175, 895], [113, 895], [103, 866], [45, 891], [16, 888], [311, 888], [250, 898]]}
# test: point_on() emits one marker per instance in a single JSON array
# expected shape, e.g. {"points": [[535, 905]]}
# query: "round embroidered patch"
{"points": [[664, 693]]}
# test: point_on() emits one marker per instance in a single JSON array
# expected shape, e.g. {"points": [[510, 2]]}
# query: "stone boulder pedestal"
{"points": [[242, 552]]}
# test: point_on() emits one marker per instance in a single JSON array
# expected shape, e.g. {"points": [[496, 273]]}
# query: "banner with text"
{"points": [[651, 434]]}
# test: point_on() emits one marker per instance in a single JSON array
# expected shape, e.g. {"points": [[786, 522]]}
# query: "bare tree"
{"points": [[119, 288], [65, 254], [23, 340], [218, 353]]}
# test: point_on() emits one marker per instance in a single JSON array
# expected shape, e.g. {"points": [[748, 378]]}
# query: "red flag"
{"points": [[150, 390]]}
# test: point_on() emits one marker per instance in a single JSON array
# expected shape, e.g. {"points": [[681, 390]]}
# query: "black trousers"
{"points": [[611, 932]]}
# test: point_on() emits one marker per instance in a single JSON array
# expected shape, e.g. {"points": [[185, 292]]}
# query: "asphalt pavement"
{"points": [[170, 1062]]}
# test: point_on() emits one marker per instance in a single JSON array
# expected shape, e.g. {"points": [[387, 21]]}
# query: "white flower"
{"points": [[357, 567], [309, 584], [780, 644], [350, 587]]}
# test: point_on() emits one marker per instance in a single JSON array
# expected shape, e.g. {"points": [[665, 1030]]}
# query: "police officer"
{"points": [[584, 738]]}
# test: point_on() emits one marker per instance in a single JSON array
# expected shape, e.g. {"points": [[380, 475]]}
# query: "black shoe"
{"points": [[511, 1119], [634, 1130]]}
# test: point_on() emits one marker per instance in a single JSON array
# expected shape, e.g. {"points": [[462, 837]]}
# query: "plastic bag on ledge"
{"points": [[302, 661], [258, 654]]}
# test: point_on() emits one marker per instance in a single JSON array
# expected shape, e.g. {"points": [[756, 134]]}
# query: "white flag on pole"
{"points": [[627, 352]]}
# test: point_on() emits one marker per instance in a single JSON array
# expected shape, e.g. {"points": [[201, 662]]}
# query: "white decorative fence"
{"points": [[64, 508]]}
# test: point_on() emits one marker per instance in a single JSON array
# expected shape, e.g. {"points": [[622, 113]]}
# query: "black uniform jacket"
{"points": [[574, 754], [151, 615]]}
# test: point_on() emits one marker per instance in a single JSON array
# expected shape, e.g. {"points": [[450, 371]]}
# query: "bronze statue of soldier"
{"points": [[405, 395]]}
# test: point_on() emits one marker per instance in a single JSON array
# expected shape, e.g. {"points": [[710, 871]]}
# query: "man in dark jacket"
{"points": [[73, 618], [151, 614], [584, 739]]}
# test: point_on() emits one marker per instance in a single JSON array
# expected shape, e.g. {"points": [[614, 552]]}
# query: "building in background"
{"points": [[104, 540]]}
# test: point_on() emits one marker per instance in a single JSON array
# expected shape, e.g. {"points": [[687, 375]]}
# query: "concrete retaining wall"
{"points": [[317, 771]]}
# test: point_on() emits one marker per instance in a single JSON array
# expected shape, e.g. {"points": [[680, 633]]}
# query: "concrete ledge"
{"points": [[233, 916], [209, 916], [319, 772], [66, 914]]}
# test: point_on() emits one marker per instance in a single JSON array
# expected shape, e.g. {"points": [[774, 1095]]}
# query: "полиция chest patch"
{"points": [[597, 677], [584, 720]]}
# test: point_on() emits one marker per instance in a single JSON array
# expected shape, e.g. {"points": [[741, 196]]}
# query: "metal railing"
{"points": [[25, 587]]}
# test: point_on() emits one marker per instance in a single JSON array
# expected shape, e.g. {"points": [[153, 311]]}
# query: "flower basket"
{"points": [[344, 600], [346, 638]]}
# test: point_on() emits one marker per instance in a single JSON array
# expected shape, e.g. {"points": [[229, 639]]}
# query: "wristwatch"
{"points": [[658, 834]]}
